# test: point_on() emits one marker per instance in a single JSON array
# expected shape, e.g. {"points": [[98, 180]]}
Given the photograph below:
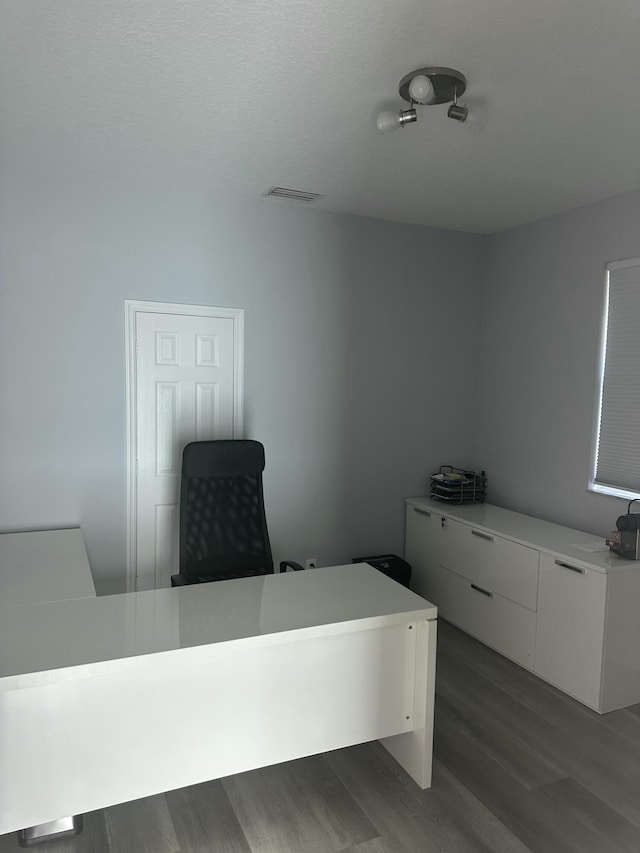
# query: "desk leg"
{"points": [[413, 750], [54, 830]]}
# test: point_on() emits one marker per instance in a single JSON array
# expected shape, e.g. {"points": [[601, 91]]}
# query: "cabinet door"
{"points": [[422, 548], [570, 628]]}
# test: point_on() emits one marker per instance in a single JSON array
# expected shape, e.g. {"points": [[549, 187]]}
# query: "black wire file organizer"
{"points": [[457, 485]]}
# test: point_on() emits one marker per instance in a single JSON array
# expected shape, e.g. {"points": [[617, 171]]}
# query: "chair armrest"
{"points": [[179, 580], [295, 566]]}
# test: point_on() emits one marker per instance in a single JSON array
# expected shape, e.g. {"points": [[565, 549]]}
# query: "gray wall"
{"points": [[541, 323], [360, 358]]}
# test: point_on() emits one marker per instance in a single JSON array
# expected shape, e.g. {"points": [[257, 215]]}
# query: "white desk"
{"points": [[44, 565], [38, 566], [105, 700]]}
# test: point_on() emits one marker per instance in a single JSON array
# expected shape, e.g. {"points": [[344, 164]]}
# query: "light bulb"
{"points": [[388, 120], [420, 89]]}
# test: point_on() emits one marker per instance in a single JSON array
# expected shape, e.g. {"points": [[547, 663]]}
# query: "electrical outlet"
{"points": [[312, 563]]}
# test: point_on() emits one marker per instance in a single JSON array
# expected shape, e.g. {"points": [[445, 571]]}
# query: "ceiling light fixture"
{"points": [[425, 87]]}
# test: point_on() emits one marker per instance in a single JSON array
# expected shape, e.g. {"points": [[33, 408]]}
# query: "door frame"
{"points": [[131, 308]]}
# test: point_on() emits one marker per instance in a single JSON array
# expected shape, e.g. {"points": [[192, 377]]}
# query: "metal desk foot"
{"points": [[64, 827]]}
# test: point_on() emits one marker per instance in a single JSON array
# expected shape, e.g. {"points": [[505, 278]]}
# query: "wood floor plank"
{"points": [[337, 812], [92, 839], [404, 820], [531, 820], [283, 809], [484, 824], [142, 825], [599, 758], [448, 799], [516, 737], [375, 845], [591, 824], [204, 820], [625, 723]]}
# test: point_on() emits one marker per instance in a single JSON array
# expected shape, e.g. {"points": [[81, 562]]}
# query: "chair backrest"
{"points": [[223, 528]]}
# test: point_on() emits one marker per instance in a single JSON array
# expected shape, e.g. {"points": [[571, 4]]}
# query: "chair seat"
{"points": [[228, 566], [211, 578]]}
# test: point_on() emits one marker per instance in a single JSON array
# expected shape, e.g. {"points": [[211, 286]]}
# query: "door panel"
{"points": [[185, 390]]}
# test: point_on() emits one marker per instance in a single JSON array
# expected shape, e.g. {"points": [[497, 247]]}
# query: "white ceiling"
{"points": [[235, 96]]}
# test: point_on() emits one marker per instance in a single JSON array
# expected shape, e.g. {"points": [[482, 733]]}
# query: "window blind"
{"points": [[618, 450]]}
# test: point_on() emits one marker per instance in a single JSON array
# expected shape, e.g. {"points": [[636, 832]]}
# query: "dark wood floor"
{"points": [[518, 767]]}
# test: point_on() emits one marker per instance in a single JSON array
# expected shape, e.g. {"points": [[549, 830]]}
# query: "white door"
{"points": [[186, 387]]}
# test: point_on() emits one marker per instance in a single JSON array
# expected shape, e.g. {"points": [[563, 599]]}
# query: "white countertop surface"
{"points": [[77, 638], [44, 565], [573, 545]]}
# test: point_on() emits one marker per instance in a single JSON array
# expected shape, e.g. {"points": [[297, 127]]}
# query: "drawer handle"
{"points": [[575, 569], [422, 512], [483, 591], [482, 535]]}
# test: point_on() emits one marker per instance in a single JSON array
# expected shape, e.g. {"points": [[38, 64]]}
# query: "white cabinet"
{"points": [[548, 597], [570, 627]]}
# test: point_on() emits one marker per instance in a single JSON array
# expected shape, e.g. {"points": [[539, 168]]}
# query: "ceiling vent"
{"points": [[292, 195]]}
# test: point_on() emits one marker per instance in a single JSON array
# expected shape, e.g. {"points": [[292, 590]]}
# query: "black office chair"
{"points": [[223, 528]]}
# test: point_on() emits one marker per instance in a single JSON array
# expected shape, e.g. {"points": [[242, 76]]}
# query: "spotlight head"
{"points": [[408, 117], [457, 112], [391, 120]]}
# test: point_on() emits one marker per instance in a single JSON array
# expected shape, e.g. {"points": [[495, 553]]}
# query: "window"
{"points": [[617, 446]]}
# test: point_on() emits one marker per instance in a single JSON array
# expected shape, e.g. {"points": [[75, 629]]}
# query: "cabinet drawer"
{"points": [[497, 564], [505, 626], [570, 633]]}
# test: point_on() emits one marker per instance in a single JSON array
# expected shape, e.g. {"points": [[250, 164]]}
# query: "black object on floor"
{"points": [[391, 565]]}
